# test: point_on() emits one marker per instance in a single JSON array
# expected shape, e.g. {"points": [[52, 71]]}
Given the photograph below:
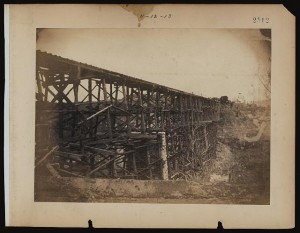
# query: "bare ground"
{"points": [[240, 173]]}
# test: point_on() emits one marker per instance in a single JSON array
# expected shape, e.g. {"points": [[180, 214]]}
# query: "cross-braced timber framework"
{"points": [[112, 125]]}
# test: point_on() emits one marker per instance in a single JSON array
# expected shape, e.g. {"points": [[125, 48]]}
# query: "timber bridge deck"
{"points": [[98, 123]]}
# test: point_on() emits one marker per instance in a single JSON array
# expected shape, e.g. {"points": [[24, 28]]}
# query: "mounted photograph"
{"points": [[151, 115]]}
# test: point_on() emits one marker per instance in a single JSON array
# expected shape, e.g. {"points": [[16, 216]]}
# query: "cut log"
{"points": [[46, 156]]}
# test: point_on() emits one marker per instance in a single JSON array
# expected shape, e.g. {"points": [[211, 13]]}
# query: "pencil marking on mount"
{"points": [[138, 10]]}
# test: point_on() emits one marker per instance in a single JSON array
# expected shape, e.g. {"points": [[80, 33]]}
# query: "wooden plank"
{"points": [[70, 173], [39, 83], [101, 166], [46, 156], [95, 114], [94, 149], [52, 170], [125, 170]]}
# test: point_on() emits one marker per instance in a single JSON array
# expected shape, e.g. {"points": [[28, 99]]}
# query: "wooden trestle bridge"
{"points": [[98, 123]]}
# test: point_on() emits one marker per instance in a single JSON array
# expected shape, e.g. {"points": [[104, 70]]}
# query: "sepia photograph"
{"points": [[149, 116], [153, 115]]}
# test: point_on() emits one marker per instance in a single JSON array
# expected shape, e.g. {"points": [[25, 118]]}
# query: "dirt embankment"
{"points": [[240, 173], [243, 153]]}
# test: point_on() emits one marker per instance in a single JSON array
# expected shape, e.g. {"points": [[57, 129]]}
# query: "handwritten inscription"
{"points": [[156, 16], [261, 20]]}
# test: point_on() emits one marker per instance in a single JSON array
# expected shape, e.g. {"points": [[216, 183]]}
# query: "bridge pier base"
{"points": [[163, 155]]}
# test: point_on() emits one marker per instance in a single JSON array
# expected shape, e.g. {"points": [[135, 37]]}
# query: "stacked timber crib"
{"points": [[92, 122]]}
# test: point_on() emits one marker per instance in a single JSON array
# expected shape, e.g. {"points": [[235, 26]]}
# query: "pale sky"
{"points": [[207, 62]]}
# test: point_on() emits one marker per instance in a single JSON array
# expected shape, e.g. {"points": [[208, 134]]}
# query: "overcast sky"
{"points": [[208, 62]]}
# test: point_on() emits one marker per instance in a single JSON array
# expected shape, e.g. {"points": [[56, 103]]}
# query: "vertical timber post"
{"points": [[39, 83], [76, 84], [134, 163], [156, 114], [125, 100], [163, 155], [108, 119], [75, 90], [140, 93], [149, 162], [90, 105], [104, 91], [61, 108], [98, 100]]}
